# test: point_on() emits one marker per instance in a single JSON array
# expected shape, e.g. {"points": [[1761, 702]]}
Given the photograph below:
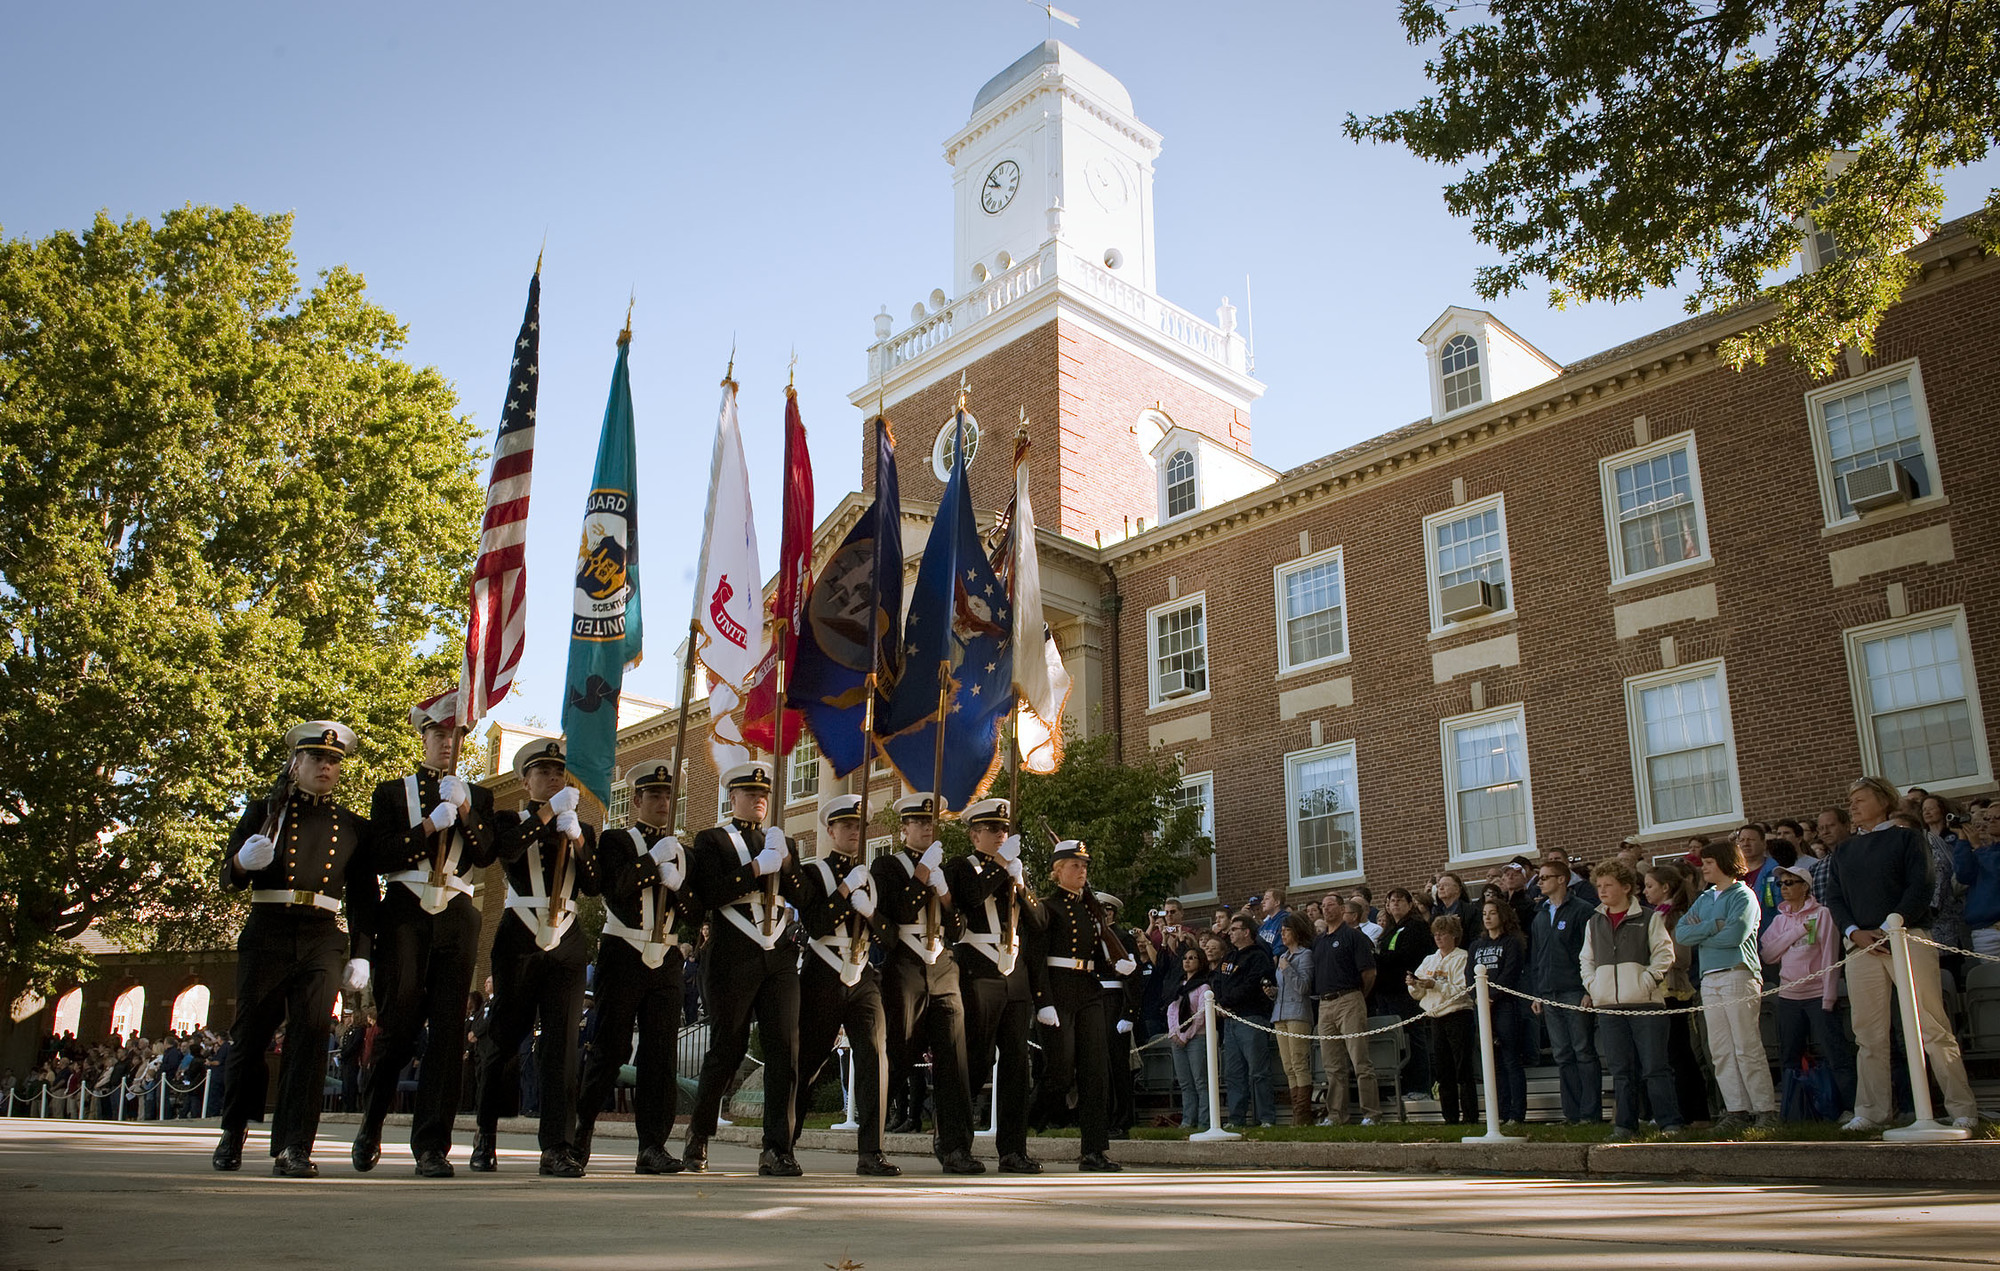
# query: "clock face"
{"points": [[1000, 185]]}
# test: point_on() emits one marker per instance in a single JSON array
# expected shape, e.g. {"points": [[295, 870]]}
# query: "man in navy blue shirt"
{"points": [[1343, 962], [1555, 971]]}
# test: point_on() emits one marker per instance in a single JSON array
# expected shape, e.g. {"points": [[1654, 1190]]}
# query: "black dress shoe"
{"points": [[960, 1161], [778, 1164], [485, 1159], [432, 1164], [367, 1148], [1098, 1163], [560, 1164], [1019, 1163], [229, 1152], [657, 1160], [876, 1165], [1119, 1134], [579, 1144], [694, 1154], [294, 1162], [901, 1125]]}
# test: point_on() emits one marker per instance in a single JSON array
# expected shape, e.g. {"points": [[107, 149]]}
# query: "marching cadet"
{"points": [[999, 913], [427, 832], [1122, 996], [300, 854], [744, 872], [920, 977], [639, 969], [550, 858], [1072, 1007], [837, 987]]}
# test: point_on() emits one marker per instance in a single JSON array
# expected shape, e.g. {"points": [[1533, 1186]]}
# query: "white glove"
{"points": [[1125, 966], [567, 823], [774, 837], [444, 816], [672, 875], [1010, 848], [1047, 1017], [933, 857], [257, 852], [863, 902], [857, 879], [452, 789], [770, 860], [563, 800], [667, 855], [940, 884], [1124, 1025], [1014, 870], [356, 978]]}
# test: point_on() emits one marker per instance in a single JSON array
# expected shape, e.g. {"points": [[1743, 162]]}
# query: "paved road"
{"points": [[88, 1195]]}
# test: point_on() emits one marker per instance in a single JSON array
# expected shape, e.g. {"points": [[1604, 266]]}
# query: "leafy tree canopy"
{"points": [[1620, 146], [225, 507]]}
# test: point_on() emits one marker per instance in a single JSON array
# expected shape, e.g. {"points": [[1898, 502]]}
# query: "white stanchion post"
{"points": [[163, 1097], [1484, 1009], [1926, 1128], [847, 1122], [122, 1092], [45, 1101], [1211, 1026], [992, 1129]]}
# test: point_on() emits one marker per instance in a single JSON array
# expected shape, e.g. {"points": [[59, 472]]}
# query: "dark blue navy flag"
{"points": [[957, 636]]}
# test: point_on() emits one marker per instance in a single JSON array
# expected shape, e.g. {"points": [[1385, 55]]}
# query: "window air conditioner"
{"points": [[1175, 684], [1877, 485], [1460, 601]]}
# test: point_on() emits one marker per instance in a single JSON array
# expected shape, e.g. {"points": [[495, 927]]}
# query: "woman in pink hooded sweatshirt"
{"points": [[1803, 939]]}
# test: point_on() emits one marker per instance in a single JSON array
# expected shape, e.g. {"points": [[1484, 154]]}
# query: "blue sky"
{"points": [[771, 173]]}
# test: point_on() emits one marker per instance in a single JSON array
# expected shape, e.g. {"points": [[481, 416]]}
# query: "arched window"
{"points": [[69, 1012], [1458, 367], [1180, 483], [190, 1009], [127, 1011]]}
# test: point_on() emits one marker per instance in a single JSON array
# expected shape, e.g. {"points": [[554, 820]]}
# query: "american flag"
{"points": [[497, 618]]}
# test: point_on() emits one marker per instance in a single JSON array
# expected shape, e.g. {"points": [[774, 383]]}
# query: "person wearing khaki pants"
{"points": [[1343, 973], [1291, 1013]]}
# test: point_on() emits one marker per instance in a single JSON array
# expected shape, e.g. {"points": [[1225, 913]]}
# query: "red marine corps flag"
{"points": [[788, 603], [729, 586], [495, 622]]}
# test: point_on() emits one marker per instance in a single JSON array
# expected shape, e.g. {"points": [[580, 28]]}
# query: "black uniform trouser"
{"points": [[996, 1020], [742, 985], [288, 963], [1117, 1061], [530, 983], [423, 971], [630, 993], [1074, 1053], [825, 1007], [923, 1009]]}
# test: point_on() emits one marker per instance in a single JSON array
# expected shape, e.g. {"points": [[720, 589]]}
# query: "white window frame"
{"points": [[1635, 725], [1166, 466], [1607, 472], [1472, 507], [1293, 761], [614, 816], [1446, 727], [1864, 722], [1480, 363], [1829, 494], [1154, 702], [939, 468], [1279, 575], [1206, 782], [792, 762]]}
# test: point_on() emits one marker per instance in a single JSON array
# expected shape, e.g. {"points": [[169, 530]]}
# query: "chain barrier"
{"points": [[1659, 1012], [1948, 948], [1316, 1037]]}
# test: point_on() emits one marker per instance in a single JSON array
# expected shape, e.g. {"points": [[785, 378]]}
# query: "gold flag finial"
{"points": [[625, 336], [729, 375], [964, 390]]}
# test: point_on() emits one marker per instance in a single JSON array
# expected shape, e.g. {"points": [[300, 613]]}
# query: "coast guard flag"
{"points": [[729, 587], [1041, 684], [959, 633], [605, 637], [853, 620]]}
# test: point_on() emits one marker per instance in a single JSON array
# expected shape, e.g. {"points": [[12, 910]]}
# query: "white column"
{"points": [[1926, 1128], [1211, 1025], [1484, 1008]]}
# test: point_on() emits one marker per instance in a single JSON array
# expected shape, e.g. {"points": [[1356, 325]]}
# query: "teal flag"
{"points": [[605, 635]]}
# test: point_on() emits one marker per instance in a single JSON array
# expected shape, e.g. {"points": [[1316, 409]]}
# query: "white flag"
{"points": [[729, 589], [1039, 678]]}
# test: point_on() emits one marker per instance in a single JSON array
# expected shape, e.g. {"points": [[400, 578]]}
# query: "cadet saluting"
{"points": [[300, 854]]}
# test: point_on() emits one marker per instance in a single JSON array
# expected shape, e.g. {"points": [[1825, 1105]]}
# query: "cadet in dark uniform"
{"points": [[1072, 1008], [993, 977], [1122, 996], [639, 969], [837, 987], [427, 833], [750, 966], [539, 956], [300, 854], [920, 978]]}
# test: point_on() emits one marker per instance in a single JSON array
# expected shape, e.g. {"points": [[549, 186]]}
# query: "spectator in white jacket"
{"points": [[1438, 984], [1627, 954]]}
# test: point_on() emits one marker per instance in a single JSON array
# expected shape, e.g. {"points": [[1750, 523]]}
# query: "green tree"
{"points": [[225, 507], [1622, 146]]}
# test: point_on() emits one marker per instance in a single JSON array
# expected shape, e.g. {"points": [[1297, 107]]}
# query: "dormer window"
{"points": [[1458, 369], [1180, 483], [1820, 249]]}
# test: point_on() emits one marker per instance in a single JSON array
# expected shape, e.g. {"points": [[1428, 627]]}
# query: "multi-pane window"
{"points": [[1878, 420], [804, 779], [1919, 708], [1468, 544], [1486, 779], [1323, 815], [620, 810], [1180, 650], [1180, 483], [1683, 748], [1653, 505], [1312, 610], [1458, 371], [1198, 791]]}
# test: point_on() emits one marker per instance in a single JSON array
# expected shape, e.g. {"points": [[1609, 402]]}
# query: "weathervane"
{"points": [[1055, 15]]}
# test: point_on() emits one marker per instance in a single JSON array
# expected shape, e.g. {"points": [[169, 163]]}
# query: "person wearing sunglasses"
{"points": [[1803, 941]]}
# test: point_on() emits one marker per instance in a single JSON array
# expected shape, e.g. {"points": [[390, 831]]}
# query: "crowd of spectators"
{"points": [[136, 1079]]}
